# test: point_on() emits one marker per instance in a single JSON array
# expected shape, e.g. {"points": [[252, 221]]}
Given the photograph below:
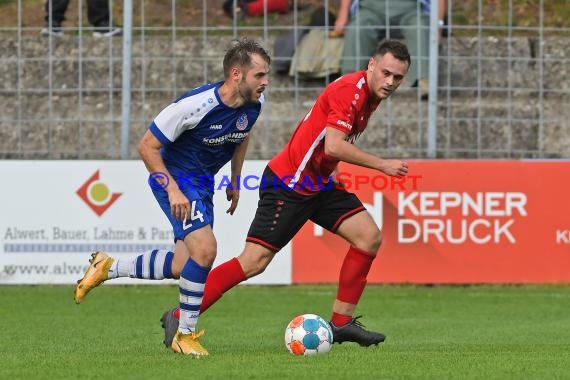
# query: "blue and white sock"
{"points": [[192, 281], [152, 265]]}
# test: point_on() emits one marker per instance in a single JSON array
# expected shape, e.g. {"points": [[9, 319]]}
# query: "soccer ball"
{"points": [[308, 334]]}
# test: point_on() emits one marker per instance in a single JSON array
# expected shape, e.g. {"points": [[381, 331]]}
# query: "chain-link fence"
{"points": [[502, 88]]}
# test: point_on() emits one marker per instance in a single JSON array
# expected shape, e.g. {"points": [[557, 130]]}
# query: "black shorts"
{"points": [[281, 212]]}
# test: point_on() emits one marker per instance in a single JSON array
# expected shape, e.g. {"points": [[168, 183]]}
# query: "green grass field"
{"points": [[476, 332]]}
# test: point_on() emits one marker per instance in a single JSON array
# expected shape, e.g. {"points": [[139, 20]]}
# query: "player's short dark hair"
{"points": [[398, 49], [239, 54]]}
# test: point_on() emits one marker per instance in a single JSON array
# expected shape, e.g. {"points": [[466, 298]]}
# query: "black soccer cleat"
{"points": [[170, 326], [354, 331]]}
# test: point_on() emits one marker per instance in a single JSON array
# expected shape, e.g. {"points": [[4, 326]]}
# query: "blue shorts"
{"points": [[201, 210]]}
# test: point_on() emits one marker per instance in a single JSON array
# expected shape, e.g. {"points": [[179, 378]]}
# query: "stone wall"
{"points": [[478, 117]]}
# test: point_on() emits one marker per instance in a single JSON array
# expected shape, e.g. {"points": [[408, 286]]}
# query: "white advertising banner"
{"points": [[55, 213]]}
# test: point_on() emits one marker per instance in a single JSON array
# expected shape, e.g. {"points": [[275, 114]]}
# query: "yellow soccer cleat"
{"points": [[188, 344], [96, 274]]}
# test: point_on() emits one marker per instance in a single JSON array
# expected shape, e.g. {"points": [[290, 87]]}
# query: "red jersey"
{"points": [[346, 105]]}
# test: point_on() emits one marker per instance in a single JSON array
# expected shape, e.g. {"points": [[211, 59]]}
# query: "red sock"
{"points": [[220, 279], [352, 280], [340, 320]]}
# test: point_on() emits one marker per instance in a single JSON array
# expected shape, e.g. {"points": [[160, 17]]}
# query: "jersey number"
{"points": [[194, 214]]}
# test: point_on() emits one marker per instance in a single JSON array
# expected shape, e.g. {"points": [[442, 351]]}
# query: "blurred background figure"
{"points": [[365, 22], [255, 7], [98, 15]]}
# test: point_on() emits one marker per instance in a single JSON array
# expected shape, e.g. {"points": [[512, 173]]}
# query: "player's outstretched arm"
{"points": [[336, 146]]}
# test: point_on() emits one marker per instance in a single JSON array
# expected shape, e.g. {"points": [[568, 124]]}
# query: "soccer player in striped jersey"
{"points": [[189, 140], [294, 193]]}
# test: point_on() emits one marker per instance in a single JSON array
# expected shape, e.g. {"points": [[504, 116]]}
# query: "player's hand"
{"points": [[394, 167], [336, 180], [233, 196], [179, 204]]}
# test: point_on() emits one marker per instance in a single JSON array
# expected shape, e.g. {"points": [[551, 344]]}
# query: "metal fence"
{"points": [[497, 90]]}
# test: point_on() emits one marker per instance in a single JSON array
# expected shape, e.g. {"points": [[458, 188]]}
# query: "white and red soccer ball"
{"points": [[308, 334]]}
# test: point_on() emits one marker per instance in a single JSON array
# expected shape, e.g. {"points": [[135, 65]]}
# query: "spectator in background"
{"points": [[98, 15], [255, 7], [363, 30]]}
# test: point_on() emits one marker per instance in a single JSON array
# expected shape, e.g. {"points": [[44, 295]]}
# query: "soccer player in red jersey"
{"points": [[294, 189]]}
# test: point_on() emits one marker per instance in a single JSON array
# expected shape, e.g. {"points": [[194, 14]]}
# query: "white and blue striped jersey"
{"points": [[200, 133]]}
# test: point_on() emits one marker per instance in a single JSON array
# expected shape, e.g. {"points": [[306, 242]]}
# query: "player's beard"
{"points": [[247, 93]]}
